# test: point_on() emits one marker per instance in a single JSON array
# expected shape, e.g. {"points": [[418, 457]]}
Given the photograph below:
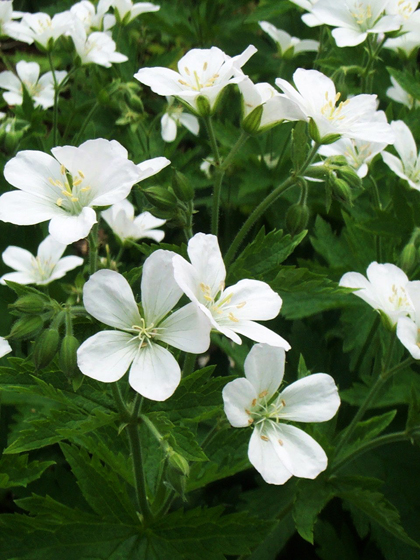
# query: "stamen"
{"points": [[74, 199], [62, 169], [232, 317], [280, 442], [254, 402], [205, 66], [81, 174], [265, 438], [77, 182], [240, 305], [85, 189], [183, 83], [59, 201], [263, 394]]}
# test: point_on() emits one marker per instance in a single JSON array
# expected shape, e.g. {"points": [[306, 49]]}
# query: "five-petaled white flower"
{"points": [[40, 28], [42, 269], [355, 19], [127, 11], [96, 48], [233, 310], [316, 96], [94, 18], [140, 338], [175, 116], [65, 188], [408, 165], [385, 289], [288, 46], [279, 450], [7, 15], [120, 218], [40, 89], [201, 73]]}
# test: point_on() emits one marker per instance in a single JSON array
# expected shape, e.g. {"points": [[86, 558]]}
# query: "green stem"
{"points": [[367, 342], [189, 365], [218, 177], [234, 150], [56, 92], [262, 207], [120, 254], [85, 123], [93, 249]]}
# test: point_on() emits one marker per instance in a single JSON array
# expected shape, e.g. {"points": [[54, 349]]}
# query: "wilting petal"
{"points": [[187, 329], [262, 455], [264, 368], [238, 396]]}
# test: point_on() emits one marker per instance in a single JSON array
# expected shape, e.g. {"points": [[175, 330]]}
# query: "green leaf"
{"points": [[311, 498], [16, 471]]}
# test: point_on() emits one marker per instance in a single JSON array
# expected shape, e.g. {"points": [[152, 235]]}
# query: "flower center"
{"points": [[220, 308], [196, 82], [357, 155], [362, 14], [330, 111], [398, 297], [405, 8], [262, 412], [42, 269], [74, 193], [33, 89], [145, 333]]}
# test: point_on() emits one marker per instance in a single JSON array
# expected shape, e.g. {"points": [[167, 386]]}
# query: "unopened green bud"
{"points": [[330, 139], [178, 462], [341, 191], [252, 122], [161, 198], [313, 131], [350, 176], [181, 186], [317, 171], [408, 258], [162, 214], [103, 97], [26, 327], [46, 348], [203, 106], [136, 103], [337, 160], [30, 303], [68, 355], [297, 218]]}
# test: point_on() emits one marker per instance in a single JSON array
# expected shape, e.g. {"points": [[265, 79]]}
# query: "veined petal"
{"points": [[345, 37], [313, 398], [107, 296], [187, 279], [264, 369], [64, 265], [107, 355], [259, 333], [168, 128], [152, 166], [17, 258], [4, 347], [18, 277], [187, 329], [159, 291], [262, 455], [50, 250], [238, 396], [253, 300], [25, 209], [394, 164], [155, 373], [206, 258], [408, 334], [67, 229]]}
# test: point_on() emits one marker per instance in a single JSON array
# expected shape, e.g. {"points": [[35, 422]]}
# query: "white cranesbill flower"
{"points": [[279, 450], [94, 18], [140, 340], [406, 43], [96, 48], [355, 19], [66, 188], [41, 89], [120, 218], [233, 310], [174, 117], [7, 15], [288, 46], [42, 269], [384, 289], [40, 28], [397, 93], [127, 11], [407, 166], [201, 73], [402, 8], [316, 96], [408, 328]]}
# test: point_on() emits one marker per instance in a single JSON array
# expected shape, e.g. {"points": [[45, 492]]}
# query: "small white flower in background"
{"points": [[127, 11], [4, 347], [201, 73], [408, 165], [106, 356], [174, 117], [94, 18], [231, 311], [384, 289], [120, 218], [398, 94], [358, 153], [355, 19], [41, 89], [96, 48], [316, 96], [409, 40], [402, 8], [40, 28], [275, 107], [65, 188], [288, 45], [279, 450], [42, 269], [408, 328], [309, 18], [206, 166], [7, 15]]}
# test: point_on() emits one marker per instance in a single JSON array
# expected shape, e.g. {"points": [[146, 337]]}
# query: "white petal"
{"points": [[159, 291], [262, 455], [407, 332], [311, 399], [30, 171], [107, 296], [238, 396], [190, 122], [18, 277], [24, 209], [394, 164], [168, 128], [155, 373], [264, 368], [404, 142], [17, 258], [206, 258], [64, 265], [67, 228], [50, 250], [4, 347], [366, 292], [253, 300], [187, 329], [348, 37], [162, 81], [152, 166], [187, 279], [259, 333], [107, 355]]}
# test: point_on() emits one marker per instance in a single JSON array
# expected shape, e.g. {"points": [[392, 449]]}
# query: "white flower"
{"points": [[309, 18], [409, 40], [398, 94], [402, 8], [201, 73], [275, 107], [7, 15], [4, 347], [42, 269], [96, 48], [40, 89], [65, 188], [40, 28], [174, 117], [287, 44], [317, 98], [120, 218], [127, 11], [233, 310], [279, 450], [106, 356], [94, 18], [385, 289], [408, 328], [358, 153], [408, 166], [354, 19]]}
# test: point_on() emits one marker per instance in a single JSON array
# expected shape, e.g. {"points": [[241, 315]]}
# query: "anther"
{"points": [[263, 394], [62, 169], [232, 317], [254, 402], [240, 305], [265, 438], [280, 442], [205, 66], [81, 174]]}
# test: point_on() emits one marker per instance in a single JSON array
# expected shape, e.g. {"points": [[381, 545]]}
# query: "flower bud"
{"points": [[181, 186], [31, 304], [68, 355], [408, 258], [350, 176], [341, 191], [203, 106], [161, 198], [26, 327], [330, 138], [297, 218], [46, 348], [252, 122], [317, 171], [178, 462]]}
